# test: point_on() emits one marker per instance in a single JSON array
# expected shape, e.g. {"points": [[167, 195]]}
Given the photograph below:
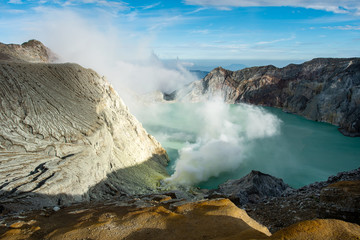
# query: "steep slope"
{"points": [[323, 89], [66, 136]]}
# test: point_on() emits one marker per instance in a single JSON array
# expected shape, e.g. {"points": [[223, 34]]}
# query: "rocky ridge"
{"points": [[323, 89], [66, 136]]}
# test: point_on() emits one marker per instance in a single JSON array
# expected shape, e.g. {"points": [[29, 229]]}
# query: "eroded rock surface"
{"points": [[66, 136], [323, 89]]}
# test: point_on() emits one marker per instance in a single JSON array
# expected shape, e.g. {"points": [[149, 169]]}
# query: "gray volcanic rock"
{"points": [[253, 188], [338, 198], [31, 51], [66, 136], [323, 89]]}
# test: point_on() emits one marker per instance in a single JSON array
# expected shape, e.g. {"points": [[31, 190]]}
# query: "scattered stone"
{"points": [[56, 208], [18, 224]]}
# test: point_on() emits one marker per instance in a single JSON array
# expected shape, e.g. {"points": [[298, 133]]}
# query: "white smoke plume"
{"points": [[131, 66], [125, 58], [223, 141]]}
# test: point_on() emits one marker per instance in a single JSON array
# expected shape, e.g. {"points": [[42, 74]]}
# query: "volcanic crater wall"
{"points": [[66, 136], [323, 89]]}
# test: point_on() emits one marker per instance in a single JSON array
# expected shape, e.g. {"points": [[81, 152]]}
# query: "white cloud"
{"points": [[203, 31], [114, 5], [151, 6], [162, 22], [127, 61], [197, 10], [276, 40], [346, 27], [15, 11], [15, 1], [336, 6]]}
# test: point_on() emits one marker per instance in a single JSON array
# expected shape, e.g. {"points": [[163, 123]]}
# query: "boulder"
{"points": [[253, 188]]}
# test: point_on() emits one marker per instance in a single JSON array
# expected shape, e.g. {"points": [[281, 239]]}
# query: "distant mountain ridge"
{"points": [[209, 67], [323, 89]]}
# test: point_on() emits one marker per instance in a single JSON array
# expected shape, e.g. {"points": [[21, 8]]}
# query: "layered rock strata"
{"points": [[66, 136], [323, 89]]}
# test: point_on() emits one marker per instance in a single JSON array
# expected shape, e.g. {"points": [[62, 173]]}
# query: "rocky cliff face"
{"points": [[66, 136], [323, 89]]}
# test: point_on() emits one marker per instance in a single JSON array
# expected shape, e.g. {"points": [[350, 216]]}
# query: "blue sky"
{"points": [[203, 29]]}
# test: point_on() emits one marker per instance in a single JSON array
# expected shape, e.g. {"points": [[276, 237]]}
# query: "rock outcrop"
{"points": [[323, 89], [253, 188], [66, 136], [31, 51]]}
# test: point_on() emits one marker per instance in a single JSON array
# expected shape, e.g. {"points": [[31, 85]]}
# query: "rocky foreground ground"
{"points": [[266, 208], [162, 217]]}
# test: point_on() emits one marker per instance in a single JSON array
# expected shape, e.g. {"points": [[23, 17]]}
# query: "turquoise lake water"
{"points": [[284, 145]]}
